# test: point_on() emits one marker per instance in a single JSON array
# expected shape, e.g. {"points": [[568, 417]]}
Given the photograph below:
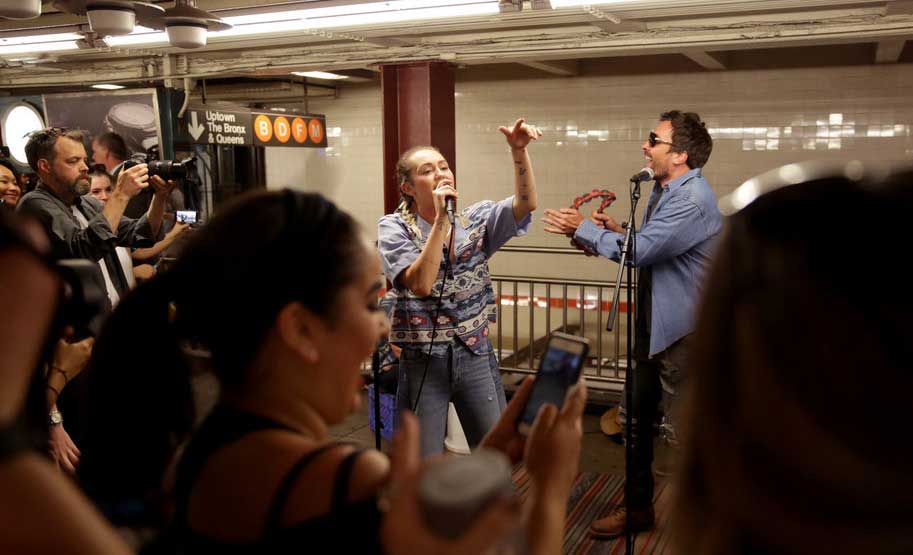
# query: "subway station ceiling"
{"points": [[270, 40]]}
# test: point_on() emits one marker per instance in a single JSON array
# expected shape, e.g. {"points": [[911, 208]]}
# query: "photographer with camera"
{"points": [[83, 227], [41, 511], [102, 188]]}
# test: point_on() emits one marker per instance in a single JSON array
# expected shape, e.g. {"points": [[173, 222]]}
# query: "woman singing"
{"points": [[443, 295]]}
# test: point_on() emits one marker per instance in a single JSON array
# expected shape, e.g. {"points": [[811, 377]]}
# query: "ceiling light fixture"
{"points": [[557, 4], [187, 25], [38, 47], [107, 86], [35, 39], [140, 35], [111, 17], [353, 15], [319, 75], [20, 9]]}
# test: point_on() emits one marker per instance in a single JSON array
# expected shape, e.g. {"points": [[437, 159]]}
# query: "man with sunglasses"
{"points": [[672, 252]]}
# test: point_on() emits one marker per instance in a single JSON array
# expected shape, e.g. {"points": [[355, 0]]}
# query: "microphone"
{"points": [[645, 174], [450, 203]]}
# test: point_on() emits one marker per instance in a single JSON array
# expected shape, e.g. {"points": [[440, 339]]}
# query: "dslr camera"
{"points": [[166, 169], [84, 300]]}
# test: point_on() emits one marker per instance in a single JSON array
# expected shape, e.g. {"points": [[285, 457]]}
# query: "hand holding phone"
{"points": [[187, 216], [559, 369]]}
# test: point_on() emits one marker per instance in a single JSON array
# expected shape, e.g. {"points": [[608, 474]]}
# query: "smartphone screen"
{"points": [[187, 216], [559, 370]]}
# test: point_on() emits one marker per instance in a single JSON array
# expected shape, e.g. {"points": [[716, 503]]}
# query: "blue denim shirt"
{"points": [[677, 243]]}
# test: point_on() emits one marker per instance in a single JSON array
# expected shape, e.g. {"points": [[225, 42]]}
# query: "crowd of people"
{"points": [[790, 428]]}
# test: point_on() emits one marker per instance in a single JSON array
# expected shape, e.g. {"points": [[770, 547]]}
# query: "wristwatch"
{"points": [[55, 418]]}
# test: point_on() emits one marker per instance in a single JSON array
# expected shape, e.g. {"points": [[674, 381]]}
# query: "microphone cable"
{"points": [[437, 311]]}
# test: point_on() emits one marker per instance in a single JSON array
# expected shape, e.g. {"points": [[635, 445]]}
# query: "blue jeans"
{"points": [[471, 382]]}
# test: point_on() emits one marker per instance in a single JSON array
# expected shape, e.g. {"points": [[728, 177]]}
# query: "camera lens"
{"points": [[167, 169]]}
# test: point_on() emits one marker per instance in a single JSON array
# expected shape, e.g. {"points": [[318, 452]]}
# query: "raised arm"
{"points": [[518, 137], [157, 206], [149, 252], [129, 183]]}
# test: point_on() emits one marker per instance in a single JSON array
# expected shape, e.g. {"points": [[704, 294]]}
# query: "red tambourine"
{"points": [[608, 197]]}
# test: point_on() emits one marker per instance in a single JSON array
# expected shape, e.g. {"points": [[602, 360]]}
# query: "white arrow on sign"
{"points": [[195, 128]]}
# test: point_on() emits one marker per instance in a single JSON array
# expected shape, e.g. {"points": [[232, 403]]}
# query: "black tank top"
{"points": [[346, 528]]}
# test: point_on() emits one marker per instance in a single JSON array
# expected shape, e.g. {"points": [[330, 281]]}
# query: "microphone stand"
{"points": [[628, 245], [375, 370]]}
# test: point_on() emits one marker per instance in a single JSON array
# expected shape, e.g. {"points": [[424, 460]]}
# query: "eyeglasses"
{"points": [[654, 139]]}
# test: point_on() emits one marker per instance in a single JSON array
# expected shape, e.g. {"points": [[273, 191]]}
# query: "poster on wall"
{"points": [[132, 114]]}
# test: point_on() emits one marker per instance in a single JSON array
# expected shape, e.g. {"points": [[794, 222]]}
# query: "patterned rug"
{"points": [[591, 497]]}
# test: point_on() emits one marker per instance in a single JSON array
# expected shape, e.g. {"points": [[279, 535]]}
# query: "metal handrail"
{"points": [[558, 281], [541, 250], [598, 370]]}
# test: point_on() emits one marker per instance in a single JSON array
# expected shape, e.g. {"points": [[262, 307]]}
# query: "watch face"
{"points": [[55, 417]]}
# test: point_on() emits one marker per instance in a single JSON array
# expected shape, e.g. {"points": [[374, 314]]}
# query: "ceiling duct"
{"points": [[266, 92]]}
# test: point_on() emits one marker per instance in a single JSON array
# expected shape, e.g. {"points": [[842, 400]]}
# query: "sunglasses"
{"points": [[654, 140]]}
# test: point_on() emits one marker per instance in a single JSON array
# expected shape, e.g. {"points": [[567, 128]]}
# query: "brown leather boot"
{"points": [[613, 525]]}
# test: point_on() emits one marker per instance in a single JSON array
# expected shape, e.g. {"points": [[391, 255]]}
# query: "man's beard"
{"points": [[81, 186]]}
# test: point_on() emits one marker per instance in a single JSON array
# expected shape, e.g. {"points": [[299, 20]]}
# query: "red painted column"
{"points": [[418, 110]]}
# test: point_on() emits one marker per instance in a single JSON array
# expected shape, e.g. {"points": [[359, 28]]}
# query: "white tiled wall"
{"points": [[594, 127]]}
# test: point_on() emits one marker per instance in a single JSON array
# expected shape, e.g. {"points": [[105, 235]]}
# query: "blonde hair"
{"points": [[406, 204]]}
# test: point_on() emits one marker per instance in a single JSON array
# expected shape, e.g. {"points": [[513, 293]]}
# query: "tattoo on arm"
{"points": [[524, 197], [522, 171]]}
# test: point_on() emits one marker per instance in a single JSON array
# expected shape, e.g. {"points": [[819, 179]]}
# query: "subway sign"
{"points": [[217, 126], [271, 129]]}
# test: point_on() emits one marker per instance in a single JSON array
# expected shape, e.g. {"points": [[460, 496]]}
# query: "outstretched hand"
{"points": [[161, 186], [562, 222], [521, 134]]}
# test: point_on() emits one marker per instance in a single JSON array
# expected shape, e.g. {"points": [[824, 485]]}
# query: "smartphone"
{"points": [[187, 216], [559, 369]]}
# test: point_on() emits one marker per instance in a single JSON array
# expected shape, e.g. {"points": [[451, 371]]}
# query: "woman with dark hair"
{"points": [[443, 299], [10, 190], [798, 424], [41, 511], [287, 339]]}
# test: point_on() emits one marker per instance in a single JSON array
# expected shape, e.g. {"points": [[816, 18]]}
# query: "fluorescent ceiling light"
{"points": [[379, 17], [107, 86], [34, 39], [38, 47], [319, 75], [351, 15], [573, 3], [355, 14], [140, 35]]}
